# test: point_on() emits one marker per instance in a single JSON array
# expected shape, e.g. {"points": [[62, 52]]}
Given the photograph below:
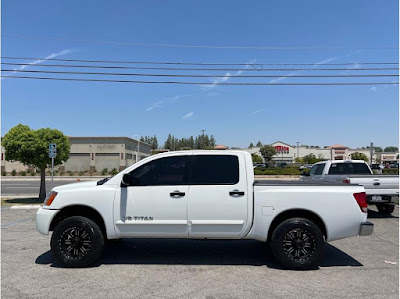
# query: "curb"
{"points": [[25, 207]]}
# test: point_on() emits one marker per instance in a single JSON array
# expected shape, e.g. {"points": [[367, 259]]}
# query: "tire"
{"points": [[385, 209], [77, 242], [298, 244]]}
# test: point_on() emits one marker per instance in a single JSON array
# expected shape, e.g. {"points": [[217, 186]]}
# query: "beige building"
{"points": [[288, 153], [94, 154]]}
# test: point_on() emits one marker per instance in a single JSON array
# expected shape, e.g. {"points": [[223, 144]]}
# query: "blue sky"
{"points": [[339, 31]]}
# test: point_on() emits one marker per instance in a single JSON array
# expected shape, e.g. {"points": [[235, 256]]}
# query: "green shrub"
{"points": [[114, 171], [70, 173], [81, 173], [13, 172], [23, 173], [104, 171], [32, 173], [3, 173], [277, 171], [390, 171]]}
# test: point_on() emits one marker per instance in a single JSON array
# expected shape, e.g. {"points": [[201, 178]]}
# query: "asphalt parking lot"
{"points": [[365, 267]]}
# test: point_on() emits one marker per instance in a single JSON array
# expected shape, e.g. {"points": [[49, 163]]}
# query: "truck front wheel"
{"points": [[385, 209], [298, 244], [77, 242]]}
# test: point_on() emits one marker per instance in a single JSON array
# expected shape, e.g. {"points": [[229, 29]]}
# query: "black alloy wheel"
{"points": [[77, 242], [298, 244]]}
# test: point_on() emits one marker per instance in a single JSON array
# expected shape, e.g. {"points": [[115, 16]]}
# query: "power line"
{"points": [[202, 76], [201, 83], [199, 46], [193, 63], [198, 69]]}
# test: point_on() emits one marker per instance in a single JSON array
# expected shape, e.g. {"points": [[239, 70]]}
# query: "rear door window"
{"points": [[215, 170], [349, 168]]}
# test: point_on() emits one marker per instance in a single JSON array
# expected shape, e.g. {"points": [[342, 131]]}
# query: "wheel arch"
{"points": [[296, 213], [79, 210]]}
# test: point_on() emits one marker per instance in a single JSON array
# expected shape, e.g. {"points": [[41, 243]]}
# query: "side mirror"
{"points": [[126, 180], [305, 173]]}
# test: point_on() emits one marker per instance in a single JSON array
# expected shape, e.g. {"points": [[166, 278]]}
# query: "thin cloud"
{"points": [[53, 55], [373, 89], [312, 67], [227, 76], [255, 112], [163, 102], [188, 116]]}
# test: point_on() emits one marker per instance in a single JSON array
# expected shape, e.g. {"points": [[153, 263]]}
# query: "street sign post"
{"points": [[52, 155]]}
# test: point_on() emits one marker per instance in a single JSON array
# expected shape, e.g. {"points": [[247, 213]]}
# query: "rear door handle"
{"points": [[236, 193], [177, 193]]}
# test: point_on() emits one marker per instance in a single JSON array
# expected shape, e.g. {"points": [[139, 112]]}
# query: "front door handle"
{"points": [[177, 193], [236, 193]]}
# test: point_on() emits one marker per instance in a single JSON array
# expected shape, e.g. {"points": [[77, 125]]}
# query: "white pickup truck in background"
{"points": [[380, 188], [201, 195]]}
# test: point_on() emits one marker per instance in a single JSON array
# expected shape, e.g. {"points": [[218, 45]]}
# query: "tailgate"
{"points": [[378, 185]]}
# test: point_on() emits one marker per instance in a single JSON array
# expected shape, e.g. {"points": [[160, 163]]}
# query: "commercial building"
{"points": [[94, 154], [288, 153]]}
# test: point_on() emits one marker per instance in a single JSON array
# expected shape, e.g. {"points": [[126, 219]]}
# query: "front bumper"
{"points": [[366, 228], [44, 217]]}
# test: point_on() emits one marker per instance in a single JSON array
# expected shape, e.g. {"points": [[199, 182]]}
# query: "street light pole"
{"points": [[137, 147]]}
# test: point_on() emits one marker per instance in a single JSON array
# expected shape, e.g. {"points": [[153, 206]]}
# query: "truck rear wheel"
{"points": [[298, 244], [385, 209], [77, 242]]}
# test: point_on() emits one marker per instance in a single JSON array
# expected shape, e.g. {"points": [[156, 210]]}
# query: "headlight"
{"points": [[49, 198]]}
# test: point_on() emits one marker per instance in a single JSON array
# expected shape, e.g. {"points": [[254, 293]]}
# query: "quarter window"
{"points": [[164, 171], [215, 170]]}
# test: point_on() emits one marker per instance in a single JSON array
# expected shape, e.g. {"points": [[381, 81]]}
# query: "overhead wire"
{"points": [[192, 63], [203, 83], [201, 76]]}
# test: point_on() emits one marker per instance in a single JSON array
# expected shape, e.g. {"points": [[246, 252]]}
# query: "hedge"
{"points": [[277, 171], [390, 171]]}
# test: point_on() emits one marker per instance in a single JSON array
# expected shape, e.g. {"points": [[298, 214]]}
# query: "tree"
{"points": [[310, 159], [267, 152], [259, 144], [31, 147], [359, 156], [256, 158], [251, 145], [391, 149], [378, 149]]}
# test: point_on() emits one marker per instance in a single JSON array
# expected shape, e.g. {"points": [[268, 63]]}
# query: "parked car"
{"points": [[394, 165], [262, 165], [380, 189], [377, 166], [201, 195], [307, 166]]}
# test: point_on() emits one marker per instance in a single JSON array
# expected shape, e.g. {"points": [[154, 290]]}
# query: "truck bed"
{"points": [[296, 183]]}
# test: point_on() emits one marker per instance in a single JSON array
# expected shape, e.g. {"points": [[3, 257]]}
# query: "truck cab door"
{"points": [[218, 196], [154, 204]]}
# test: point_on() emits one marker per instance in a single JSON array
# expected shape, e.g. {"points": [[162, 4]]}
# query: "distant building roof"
{"points": [[221, 147], [337, 146]]}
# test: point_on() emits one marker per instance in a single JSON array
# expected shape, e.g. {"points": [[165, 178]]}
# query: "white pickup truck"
{"points": [[380, 188], [201, 195]]}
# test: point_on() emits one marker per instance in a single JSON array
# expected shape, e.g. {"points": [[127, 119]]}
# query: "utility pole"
{"points": [[371, 151], [202, 139], [137, 147], [297, 142]]}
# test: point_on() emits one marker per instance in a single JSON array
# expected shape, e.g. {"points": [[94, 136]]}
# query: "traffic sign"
{"points": [[52, 150]]}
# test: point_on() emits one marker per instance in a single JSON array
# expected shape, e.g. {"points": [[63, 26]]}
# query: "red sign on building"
{"points": [[280, 148]]}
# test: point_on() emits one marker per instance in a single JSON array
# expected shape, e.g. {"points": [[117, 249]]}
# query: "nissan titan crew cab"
{"points": [[201, 195]]}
